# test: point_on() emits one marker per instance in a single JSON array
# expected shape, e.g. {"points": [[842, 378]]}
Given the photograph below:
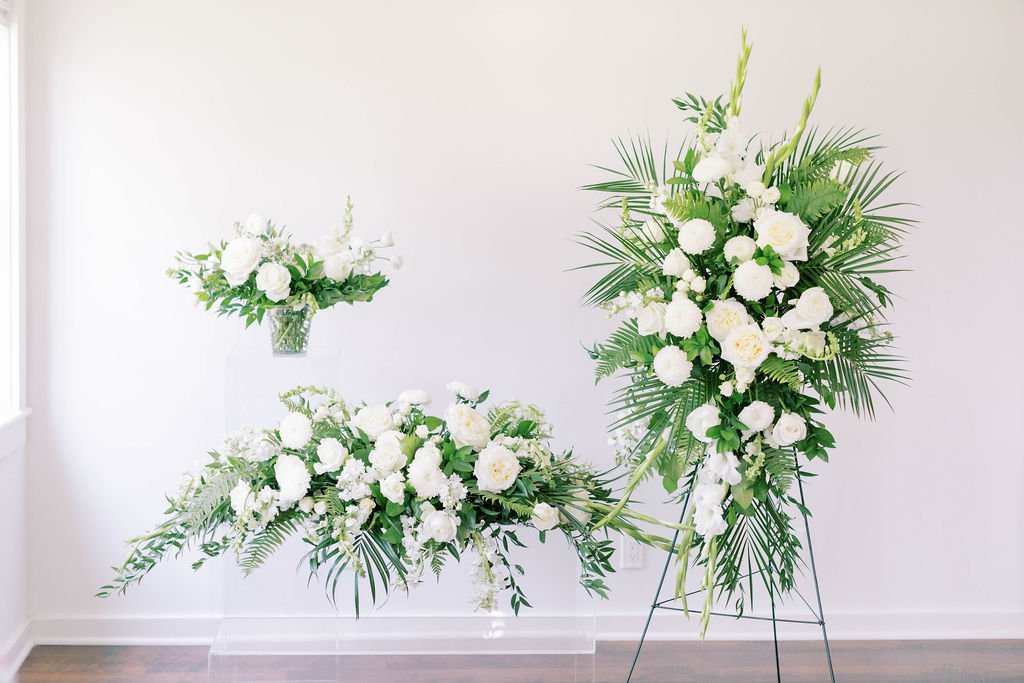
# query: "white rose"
{"points": [[296, 430], [393, 487], [496, 469], [752, 281], [440, 526], [255, 223], [425, 475], [373, 420], [579, 511], [414, 397], [773, 328], [387, 455], [274, 280], [711, 169], [757, 416], [292, 479], [696, 236], [811, 310], [683, 317], [789, 429], [746, 346], [331, 454], [701, 420], [675, 263], [771, 195], [239, 259], [672, 366], [467, 426], [789, 276], [652, 231], [698, 284], [319, 507], [463, 390], [544, 516], [338, 267], [725, 315], [785, 232], [241, 497], [327, 246], [651, 319], [740, 248], [744, 210], [306, 505]]}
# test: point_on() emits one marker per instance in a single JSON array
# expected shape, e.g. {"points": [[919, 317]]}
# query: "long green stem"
{"points": [[782, 152], [634, 481]]}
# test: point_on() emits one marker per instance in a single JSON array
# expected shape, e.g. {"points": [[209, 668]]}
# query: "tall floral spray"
{"points": [[747, 274]]}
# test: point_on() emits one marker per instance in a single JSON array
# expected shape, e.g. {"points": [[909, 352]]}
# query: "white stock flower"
{"points": [[811, 310], [789, 429], [241, 498], [785, 232], [292, 479], [746, 346], [239, 259], [701, 420], [387, 455], [414, 397], [338, 267], [331, 454], [696, 236], [651, 319], [441, 526], [724, 316], [757, 416], [544, 516], [392, 487], [789, 276], [496, 469], [683, 317], [463, 390], [467, 426], [373, 420], [425, 475], [752, 281], [274, 280], [672, 366], [740, 248], [296, 430], [675, 263], [711, 169]]}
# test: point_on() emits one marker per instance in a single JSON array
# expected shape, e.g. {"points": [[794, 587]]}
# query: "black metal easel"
{"points": [[819, 615]]}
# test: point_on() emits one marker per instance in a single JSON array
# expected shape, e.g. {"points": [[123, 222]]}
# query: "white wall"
{"points": [[14, 614], [466, 128]]}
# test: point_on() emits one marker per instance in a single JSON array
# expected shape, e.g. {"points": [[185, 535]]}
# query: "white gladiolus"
{"points": [[373, 420], [496, 469], [757, 416], [725, 315], [296, 430], [741, 248], [683, 317], [651, 319], [746, 346], [675, 263], [239, 259], [784, 232], [696, 236], [292, 479], [752, 281], [544, 516], [702, 419], [789, 429], [672, 366], [274, 280], [467, 426], [725, 466]]}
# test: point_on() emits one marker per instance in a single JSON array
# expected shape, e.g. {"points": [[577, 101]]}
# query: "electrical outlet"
{"points": [[631, 553]]}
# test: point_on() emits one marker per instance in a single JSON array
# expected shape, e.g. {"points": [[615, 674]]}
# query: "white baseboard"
{"points": [[14, 652], [904, 625]]}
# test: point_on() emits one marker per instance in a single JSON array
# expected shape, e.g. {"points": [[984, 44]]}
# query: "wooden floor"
{"points": [[979, 661]]}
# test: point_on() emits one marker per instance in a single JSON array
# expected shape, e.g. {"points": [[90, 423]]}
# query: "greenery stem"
{"points": [[634, 481]]}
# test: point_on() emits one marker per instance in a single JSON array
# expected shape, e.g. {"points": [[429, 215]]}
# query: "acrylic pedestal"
{"points": [[276, 628]]}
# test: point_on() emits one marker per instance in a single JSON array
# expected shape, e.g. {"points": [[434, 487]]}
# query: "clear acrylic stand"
{"points": [[276, 627]]}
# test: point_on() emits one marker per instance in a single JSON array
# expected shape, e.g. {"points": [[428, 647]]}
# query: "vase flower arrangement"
{"points": [[748, 275], [260, 272], [390, 492]]}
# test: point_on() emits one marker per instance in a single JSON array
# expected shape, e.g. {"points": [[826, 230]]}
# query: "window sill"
{"points": [[13, 431]]}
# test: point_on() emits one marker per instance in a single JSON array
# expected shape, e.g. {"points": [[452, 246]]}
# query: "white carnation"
{"points": [[675, 263], [683, 317], [784, 232], [711, 169], [740, 248], [274, 280], [757, 416], [672, 366], [292, 479], [544, 516], [701, 419], [753, 281], [373, 420], [696, 236], [746, 346], [296, 430], [467, 426], [789, 429], [725, 315], [414, 397], [651, 319], [496, 469], [744, 210]]}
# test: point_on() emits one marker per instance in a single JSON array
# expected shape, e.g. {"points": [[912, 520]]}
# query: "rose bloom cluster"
{"points": [[392, 492], [261, 268]]}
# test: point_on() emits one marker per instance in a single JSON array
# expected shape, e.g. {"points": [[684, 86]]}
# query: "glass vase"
{"points": [[289, 330]]}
